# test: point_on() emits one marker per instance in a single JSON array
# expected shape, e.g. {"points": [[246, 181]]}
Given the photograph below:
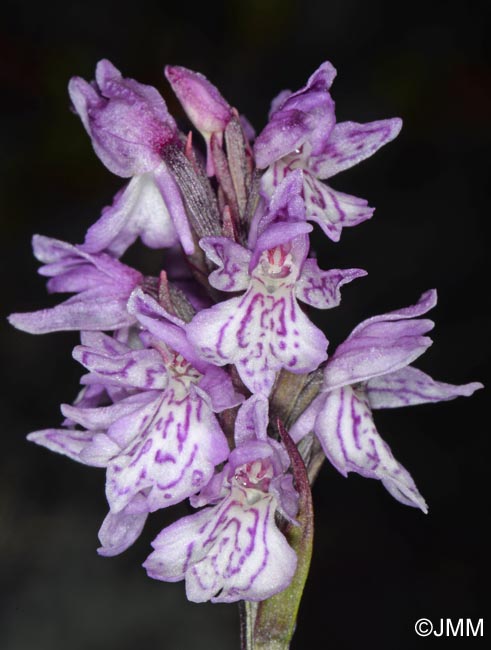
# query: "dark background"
{"points": [[378, 566]]}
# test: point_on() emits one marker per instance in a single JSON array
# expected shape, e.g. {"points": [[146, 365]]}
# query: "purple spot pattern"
{"points": [[160, 446], [410, 386], [347, 144], [123, 367], [248, 332], [350, 143], [233, 550], [172, 456], [226, 553], [330, 209], [62, 441], [351, 442], [128, 122], [101, 286], [149, 398], [232, 261], [321, 289]]}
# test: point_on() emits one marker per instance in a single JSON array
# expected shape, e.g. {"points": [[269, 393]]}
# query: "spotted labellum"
{"points": [[189, 372]]}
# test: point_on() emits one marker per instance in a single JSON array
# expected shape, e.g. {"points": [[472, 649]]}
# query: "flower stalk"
{"points": [[273, 621]]}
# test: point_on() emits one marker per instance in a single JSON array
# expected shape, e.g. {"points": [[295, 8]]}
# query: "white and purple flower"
{"points": [[265, 329], [233, 550], [129, 125], [303, 134], [157, 354], [161, 441], [101, 284], [371, 370]]}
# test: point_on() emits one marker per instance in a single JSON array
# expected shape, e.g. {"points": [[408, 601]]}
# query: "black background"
{"points": [[378, 566]]}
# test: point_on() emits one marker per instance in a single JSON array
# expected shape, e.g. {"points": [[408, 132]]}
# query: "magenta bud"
{"points": [[128, 122], [204, 105]]}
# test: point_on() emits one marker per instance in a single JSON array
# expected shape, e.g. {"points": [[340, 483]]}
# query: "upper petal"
{"points": [[127, 122], [252, 420], [304, 116], [349, 143], [203, 103], [114, 86], [164, 326], [284, 202], [381, 344], [232, 261], [135, 368], [286, 131], [322, 289], [100, 418]]}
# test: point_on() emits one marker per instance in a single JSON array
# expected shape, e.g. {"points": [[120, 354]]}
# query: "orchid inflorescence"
{"points": [[185, 385]]}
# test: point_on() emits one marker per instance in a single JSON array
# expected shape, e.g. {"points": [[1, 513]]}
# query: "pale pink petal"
{"points": [[67, 442], [409, 386], [232, 261], [349, 143], [381, 344], [322, 289], [119, 531], [138, 211], [347, 433], [331, 209], [174, 456]]}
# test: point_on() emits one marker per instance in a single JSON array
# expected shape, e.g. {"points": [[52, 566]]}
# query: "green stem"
{"points": [[270, 624]]}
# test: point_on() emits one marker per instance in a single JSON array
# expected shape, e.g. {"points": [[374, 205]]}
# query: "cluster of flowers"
{"points": [[176, 401]]}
